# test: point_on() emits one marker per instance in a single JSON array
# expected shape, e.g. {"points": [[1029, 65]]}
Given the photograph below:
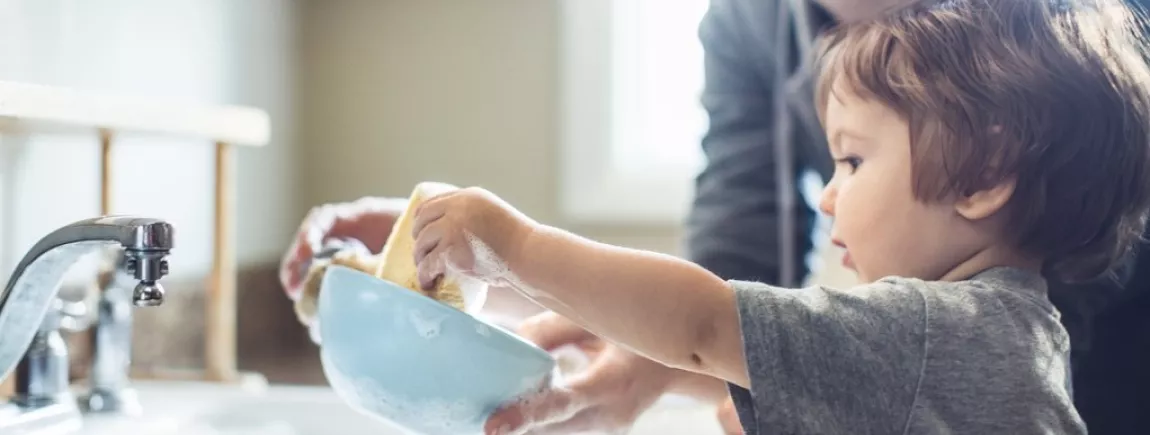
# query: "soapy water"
{"points": [[430, 417]]}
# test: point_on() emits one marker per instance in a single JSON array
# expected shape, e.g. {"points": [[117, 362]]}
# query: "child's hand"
{"points": [[469, 231]]}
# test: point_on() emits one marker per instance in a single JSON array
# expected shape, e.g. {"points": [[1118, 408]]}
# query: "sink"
{"points": [[187, 408], [200, 408]]}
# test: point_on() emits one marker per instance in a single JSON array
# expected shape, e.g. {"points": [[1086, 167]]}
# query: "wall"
{"points": [[213, 51], [395, 92]]}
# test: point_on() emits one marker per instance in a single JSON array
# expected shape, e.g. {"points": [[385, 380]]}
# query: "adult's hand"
{"points": [[368, 220], [729, 418], [608, 396]]}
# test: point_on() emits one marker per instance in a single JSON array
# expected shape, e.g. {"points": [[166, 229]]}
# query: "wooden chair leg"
{"points": [[220, 334], [105, 172]]}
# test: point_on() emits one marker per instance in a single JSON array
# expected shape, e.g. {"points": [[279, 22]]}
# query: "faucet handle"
{"points": [[67, 315], [74, 315]]}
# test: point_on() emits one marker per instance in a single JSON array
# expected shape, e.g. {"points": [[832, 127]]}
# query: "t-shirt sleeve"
{"points": [[822, 360]]}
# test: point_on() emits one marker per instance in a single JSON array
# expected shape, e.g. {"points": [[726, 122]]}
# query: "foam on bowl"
{"points": [[410, 360]]}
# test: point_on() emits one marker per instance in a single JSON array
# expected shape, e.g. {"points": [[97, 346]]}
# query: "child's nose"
{"points": [[827, 201]]}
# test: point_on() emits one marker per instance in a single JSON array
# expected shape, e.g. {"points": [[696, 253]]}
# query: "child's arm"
{"points": [[705, 388], [667, 309], [662, 307], [861, 349]]}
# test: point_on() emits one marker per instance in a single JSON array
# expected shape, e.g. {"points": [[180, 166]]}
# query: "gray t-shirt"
{"points": [[906, 356]]}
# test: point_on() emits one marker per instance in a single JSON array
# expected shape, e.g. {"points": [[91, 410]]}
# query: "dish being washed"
{"points": [[417, 360], [395, 263]]}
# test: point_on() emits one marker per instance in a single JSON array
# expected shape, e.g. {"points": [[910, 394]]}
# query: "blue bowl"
{"points": [[395, 354]]}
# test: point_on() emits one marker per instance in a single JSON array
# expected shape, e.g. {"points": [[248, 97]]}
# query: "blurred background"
{"points": [[582, 114]]}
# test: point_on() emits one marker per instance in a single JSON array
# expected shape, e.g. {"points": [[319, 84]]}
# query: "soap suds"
{"points": [[427, 326], [314, 332], [563, 405], [483, 330], [472, 290], [491, 269], [487, 264], [432, 417]]}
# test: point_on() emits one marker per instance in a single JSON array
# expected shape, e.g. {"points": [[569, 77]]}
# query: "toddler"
{"points": [[980, 145]]}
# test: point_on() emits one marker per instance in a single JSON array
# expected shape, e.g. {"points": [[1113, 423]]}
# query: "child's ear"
{"points": [[985, 203]]}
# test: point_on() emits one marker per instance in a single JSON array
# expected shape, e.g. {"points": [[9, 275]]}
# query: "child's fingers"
{"points": [[427, 239], [433, 266], [430, 211]]}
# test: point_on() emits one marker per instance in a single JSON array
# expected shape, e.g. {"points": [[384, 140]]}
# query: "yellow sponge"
{"points": [[398, 263]]}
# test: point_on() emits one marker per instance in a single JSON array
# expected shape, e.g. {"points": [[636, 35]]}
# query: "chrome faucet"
{"points": [[29, 322], [108, 383]]}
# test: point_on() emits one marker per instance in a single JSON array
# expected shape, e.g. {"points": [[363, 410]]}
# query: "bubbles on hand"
{"points": [[487, 263], [490, 268]]}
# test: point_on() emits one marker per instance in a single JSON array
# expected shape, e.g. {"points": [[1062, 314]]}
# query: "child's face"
{"points": [[884, 228]]}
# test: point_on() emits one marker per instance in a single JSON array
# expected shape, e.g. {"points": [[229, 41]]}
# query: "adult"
{"points": [[748, 222]]}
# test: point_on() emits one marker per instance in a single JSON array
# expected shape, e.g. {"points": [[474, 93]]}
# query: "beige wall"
{"points": [[388, 87], [396, 91]]}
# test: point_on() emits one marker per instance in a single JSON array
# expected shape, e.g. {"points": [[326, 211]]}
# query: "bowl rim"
{"points": [[432, 304]]}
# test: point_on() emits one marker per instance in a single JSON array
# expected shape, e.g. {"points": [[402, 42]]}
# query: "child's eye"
{"points": [[853, 162]]}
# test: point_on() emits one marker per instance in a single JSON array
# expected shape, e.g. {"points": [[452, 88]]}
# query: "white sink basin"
{"points": [[187, 408]]}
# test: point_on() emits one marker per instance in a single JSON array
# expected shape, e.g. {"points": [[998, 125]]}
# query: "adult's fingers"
{"points": [[308, 238], [595, 419], [729, 418], [553, 405], [368, 220]]}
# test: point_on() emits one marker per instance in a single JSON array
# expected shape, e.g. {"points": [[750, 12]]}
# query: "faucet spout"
{"points": [[34, 283]]}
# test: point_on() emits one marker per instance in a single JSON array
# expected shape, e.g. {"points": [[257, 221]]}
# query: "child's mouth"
{"points": [[847, 262]]}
